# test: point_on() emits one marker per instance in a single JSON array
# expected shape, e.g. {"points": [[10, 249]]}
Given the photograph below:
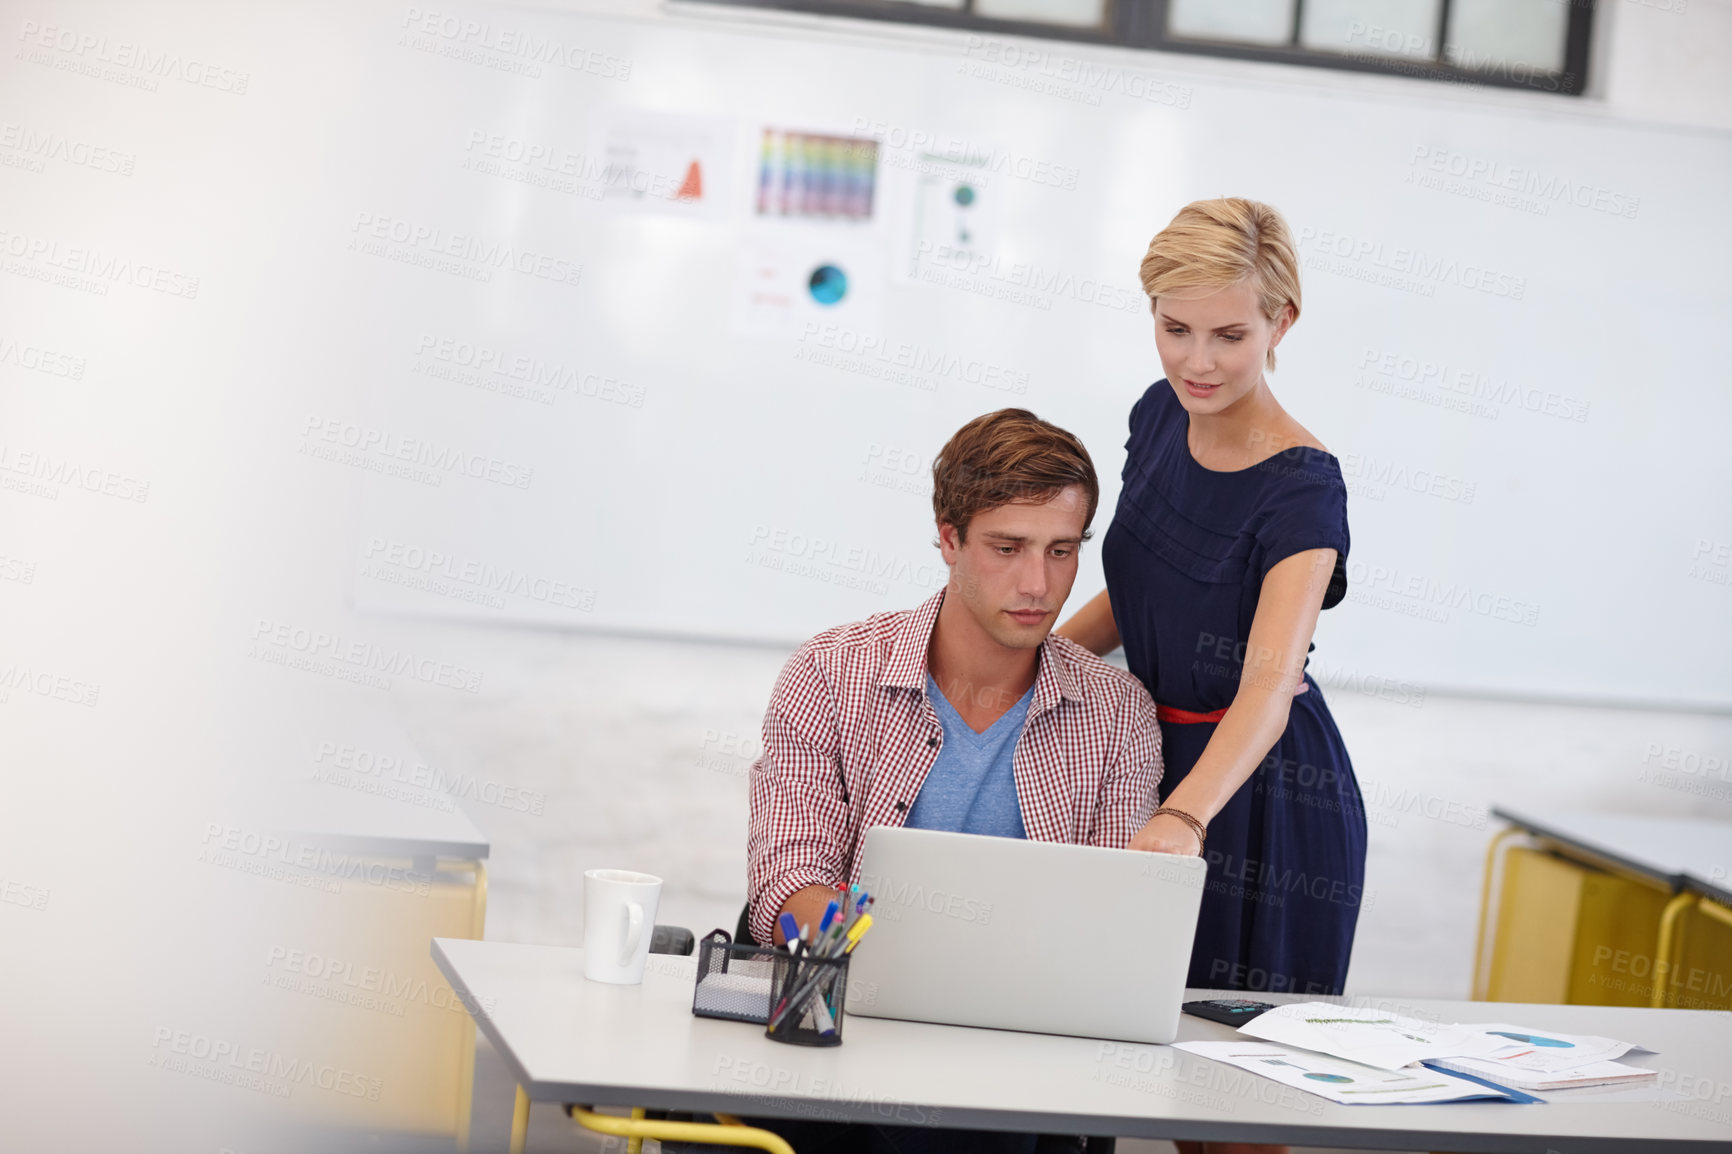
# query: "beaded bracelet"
{"points": [[1196, 826]]}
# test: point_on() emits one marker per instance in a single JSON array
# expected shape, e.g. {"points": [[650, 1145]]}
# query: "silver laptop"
{"points": [[1025, 935]]}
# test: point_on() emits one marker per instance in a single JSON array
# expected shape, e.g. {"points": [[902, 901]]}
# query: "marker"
{"points": [[865, 907], [858, 932], [829, 916], [790, 929], [839, 929]]}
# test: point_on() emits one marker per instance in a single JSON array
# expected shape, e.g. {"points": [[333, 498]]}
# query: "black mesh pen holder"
{"points": [[806, 1006], [734, 981]]}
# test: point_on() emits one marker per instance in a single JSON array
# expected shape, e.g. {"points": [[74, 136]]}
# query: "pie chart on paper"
{"points": [[1534, 1040]]}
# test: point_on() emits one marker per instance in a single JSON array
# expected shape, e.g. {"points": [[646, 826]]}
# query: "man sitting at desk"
{"points": [[966, 714]]}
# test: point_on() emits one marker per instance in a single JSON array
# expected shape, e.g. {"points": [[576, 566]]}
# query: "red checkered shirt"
{"points": [[850, 734]]}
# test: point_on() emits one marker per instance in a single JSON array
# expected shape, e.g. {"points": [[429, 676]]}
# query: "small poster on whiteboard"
{"points": [[816, 176], [953, 222], [794, 282], [665, 162]]}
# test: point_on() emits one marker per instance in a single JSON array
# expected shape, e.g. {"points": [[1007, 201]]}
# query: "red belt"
{"points": [[1185, 717]]}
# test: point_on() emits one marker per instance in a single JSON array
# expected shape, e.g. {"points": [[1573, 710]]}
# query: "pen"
{"points": [[795, 1002], [821, 1013], [858, 932], [840, 938], [798, 948], [839, 930], [827, 940], [803, 994], [805, 988], [802, 987], [789, 983], [861, 905]]}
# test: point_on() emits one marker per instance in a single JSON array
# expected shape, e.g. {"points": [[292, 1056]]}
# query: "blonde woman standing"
{"points": [[1229, 538]]}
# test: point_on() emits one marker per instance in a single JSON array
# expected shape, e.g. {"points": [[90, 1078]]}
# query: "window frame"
{"points": [[1143, 24]]}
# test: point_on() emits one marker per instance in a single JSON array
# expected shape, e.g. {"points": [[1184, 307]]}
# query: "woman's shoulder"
{"points": [[1286, 435], [1287, 447], [1300, 475], [1303, 467]]}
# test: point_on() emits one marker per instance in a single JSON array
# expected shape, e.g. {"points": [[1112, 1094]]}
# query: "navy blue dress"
{"points": [[1185, 558]]}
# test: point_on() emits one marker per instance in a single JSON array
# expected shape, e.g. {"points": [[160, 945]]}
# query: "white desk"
{"points": [[409, 822], [567, 1039]]}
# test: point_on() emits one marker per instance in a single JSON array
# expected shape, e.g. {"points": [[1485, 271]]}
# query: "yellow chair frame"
{"points": [[1669, 945], [727, 1130]]}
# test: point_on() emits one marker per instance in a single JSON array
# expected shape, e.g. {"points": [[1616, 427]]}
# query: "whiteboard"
{"points": [[587, 405]]}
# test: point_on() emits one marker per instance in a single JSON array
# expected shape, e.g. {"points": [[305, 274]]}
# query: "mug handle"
{"points": [[633, 933]]}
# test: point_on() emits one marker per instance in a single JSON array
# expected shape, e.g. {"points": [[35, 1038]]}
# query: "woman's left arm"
{"points": [[1281, 629]]}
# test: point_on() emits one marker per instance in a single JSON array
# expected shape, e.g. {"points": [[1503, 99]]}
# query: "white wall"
{"points": [[1665, 60], [1459, 509]]}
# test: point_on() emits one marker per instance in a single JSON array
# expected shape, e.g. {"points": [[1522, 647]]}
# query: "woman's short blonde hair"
{"points": [[1212, 244]]}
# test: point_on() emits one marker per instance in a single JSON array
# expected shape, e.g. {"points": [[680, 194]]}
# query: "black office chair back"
{"points": [[743, 931]]}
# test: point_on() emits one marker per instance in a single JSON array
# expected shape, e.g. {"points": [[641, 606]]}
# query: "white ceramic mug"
{"points": [[619, 916]]}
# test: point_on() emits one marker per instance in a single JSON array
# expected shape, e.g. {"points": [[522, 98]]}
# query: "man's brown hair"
{"points": [[1006, 458]]}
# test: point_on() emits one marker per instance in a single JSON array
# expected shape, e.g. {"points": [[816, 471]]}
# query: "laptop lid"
{"points": [[1025, 935]]}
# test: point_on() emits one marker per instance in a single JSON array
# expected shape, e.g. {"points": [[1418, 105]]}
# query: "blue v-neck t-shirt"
{"points": [[971, 787]]}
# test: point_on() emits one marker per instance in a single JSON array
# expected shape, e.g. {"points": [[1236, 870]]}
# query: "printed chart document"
{"points": [[1497, 1051], [1350, 1083], [1387, 1041], [1540, 1060]]}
